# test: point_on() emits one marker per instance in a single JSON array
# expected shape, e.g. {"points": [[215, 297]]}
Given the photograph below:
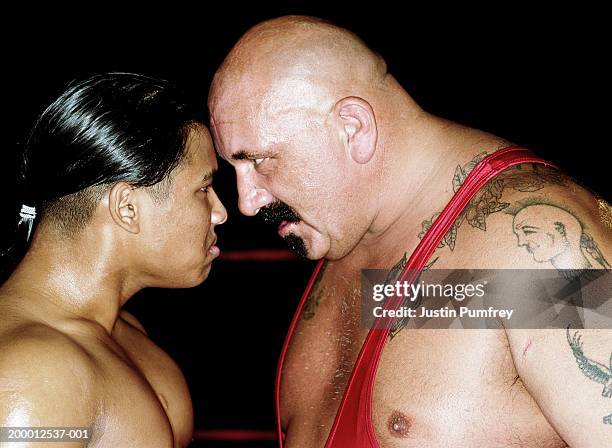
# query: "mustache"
{"points": [[277, 212]]}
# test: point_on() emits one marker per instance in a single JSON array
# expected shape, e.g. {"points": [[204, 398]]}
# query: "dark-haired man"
{"points": [[70, 358]]}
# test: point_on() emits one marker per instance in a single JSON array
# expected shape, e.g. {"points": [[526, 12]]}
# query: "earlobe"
{"points": [[123, 208], [359, 127]]}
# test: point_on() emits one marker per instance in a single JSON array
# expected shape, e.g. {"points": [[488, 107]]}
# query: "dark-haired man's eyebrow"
{"points": [[208, 176]]}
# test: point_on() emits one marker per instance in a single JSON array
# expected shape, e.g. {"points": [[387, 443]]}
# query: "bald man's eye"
{"points": [[259, 161]]}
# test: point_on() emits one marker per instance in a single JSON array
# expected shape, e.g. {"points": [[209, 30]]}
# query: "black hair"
{"points": [[102, 130]]}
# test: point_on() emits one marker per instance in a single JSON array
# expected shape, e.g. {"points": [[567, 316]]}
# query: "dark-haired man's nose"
{"points": [[219, 213], [251, 198]]}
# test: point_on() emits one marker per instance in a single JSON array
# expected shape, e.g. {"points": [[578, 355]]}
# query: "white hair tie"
{"points": [[28, 214]]}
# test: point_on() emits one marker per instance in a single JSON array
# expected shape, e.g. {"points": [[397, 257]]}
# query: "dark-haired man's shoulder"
{"points": [[46, 379]]}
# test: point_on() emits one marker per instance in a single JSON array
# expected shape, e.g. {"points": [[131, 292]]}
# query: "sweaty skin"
{"points": [[69, 356], [309, 116]]}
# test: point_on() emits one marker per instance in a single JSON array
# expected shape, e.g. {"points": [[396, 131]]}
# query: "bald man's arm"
{"points": [[46, 380], [569, 371], [569, 374]]}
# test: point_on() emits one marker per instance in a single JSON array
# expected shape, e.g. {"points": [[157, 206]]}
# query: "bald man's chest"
{"points": [[320, 358], [431, 386]]}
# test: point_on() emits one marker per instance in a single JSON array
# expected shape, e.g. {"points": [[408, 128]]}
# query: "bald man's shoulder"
{"points": [[530, 216]]}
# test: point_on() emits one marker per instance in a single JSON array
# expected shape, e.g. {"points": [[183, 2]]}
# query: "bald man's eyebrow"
{"points": [[245, 155]]}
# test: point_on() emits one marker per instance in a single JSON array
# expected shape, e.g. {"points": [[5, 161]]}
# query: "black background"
{"points": [[536, 78]]}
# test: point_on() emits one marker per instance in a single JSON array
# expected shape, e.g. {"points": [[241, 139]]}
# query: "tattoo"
{"points": [[593, 370], [400, 323], [312, 301], [588, 244], [551, 233], [395, 271], [605, 213], [488, 199]]}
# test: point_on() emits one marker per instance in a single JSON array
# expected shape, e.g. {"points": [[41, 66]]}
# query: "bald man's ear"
{"points": [[123, 207], [359, 127]]}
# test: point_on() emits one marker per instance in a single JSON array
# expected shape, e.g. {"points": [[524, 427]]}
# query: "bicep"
{"points": [[569, 374]]}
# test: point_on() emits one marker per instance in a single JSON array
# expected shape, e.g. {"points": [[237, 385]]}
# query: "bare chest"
{"points": [[320, 358], [432, 387], [146, 400]]}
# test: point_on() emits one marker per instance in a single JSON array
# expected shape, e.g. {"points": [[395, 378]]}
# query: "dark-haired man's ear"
{"points": [[122, 207], [359, 127]]}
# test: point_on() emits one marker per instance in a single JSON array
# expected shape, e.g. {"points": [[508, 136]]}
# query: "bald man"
{"points": [[329, 147]]}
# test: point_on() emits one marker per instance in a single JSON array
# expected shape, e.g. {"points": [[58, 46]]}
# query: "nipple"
{"points": [[398, 424]]}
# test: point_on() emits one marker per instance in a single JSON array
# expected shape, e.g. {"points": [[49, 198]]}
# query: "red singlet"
{"points": [[353, 423]]}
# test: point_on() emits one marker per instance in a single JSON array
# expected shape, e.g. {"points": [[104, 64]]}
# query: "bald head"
{"points": [[302, 52], [297, 101]]}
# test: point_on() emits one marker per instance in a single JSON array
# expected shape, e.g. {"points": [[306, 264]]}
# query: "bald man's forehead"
{"points": [[260, 97], [260, 116], [236, 132], [303, 60]]}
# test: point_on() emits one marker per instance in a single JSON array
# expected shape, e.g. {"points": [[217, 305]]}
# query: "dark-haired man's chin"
{"points": [[205, 272], [199, 277]]}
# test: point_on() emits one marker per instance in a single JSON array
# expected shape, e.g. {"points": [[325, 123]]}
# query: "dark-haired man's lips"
{"points": [[214, 249]]}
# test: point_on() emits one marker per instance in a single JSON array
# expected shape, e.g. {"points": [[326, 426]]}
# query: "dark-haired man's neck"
{"points": [[60, 280]]}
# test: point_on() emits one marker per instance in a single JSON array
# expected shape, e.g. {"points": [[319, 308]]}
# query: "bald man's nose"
{"points": [[250, 197]]}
